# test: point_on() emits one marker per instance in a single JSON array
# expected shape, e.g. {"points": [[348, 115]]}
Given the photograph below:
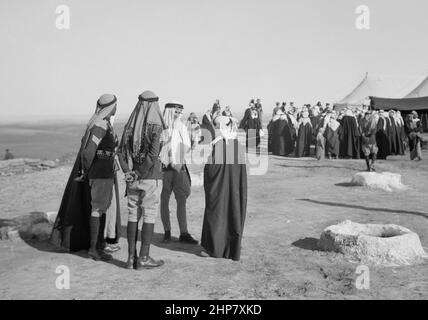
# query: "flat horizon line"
{"points": [[31, 119]]}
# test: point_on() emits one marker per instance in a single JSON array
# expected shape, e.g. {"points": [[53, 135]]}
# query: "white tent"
{"points": [[395, 87]]}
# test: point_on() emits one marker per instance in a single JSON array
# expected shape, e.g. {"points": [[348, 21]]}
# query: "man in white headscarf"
{"points": [[331, 134], [399, 132], [304, 136], [176, 177], [225, 178]]}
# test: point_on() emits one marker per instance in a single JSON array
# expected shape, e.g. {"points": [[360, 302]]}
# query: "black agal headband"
{"points": [[102, 106], [174, 105], [154, 99]]}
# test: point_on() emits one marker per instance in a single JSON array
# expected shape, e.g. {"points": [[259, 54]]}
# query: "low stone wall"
{"points": [[20, 166]]}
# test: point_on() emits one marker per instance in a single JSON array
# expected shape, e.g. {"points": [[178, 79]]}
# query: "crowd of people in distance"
{"points": [[252, 120], [346, 134]]}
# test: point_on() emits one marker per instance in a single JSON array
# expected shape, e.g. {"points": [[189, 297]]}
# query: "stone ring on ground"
{"points": [[374, 244]]}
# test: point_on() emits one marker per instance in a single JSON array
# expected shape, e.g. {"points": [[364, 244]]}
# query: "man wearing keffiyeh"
{"points": [[368, 127], [176, 177], [82, 215], [139, 158]]}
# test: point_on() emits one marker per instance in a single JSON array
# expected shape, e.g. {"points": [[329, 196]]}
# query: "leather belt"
{"points": [[105, 155]]}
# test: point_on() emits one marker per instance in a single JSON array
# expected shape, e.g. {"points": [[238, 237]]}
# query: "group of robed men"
{"points": [[251, 122], [152, 155], [368, 134]]}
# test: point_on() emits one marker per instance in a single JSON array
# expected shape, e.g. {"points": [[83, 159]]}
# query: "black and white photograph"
{"points": [[213, 155]]}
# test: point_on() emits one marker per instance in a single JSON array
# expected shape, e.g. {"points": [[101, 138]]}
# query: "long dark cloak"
{"points": [[207, 125], [349, 136], [316, 122], [332, 142], [424, 121], [304, 140], [71, 228], [392, 137], [382, 140], [399, 140], [282, 141], [255, 125], [269, 127], [225, 188]]}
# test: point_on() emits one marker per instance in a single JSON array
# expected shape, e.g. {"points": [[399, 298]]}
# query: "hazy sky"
{"points": [[195, 51]]}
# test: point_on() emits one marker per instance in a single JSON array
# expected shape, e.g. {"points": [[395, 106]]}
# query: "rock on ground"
{"points": [[375, 244], [384, 181], [49, 164], [36, 226]]}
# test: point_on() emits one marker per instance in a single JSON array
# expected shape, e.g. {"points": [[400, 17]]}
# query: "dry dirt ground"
{"points": [[288, 208]]}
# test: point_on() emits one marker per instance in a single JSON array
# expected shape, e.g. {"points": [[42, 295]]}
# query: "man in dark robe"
{"points": [[269, 128], [207, 125], [282, 140], [252, 124], [225, 178], [276, 109], [402, 126], [399, 133], [331, 135], [315, 121], [304, 136], [81, 218], [259, 109], [424, 122], [382, 140], [349, 137], [392, 134]]}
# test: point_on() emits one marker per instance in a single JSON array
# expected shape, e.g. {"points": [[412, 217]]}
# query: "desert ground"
{"points": [[288, 208]]}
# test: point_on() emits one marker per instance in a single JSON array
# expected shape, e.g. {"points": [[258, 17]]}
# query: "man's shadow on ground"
{"points": [[46, 246], [23, 225], [173, 245]]}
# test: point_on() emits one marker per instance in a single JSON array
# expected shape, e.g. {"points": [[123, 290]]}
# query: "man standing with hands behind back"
{"points": [[139, 158]]}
